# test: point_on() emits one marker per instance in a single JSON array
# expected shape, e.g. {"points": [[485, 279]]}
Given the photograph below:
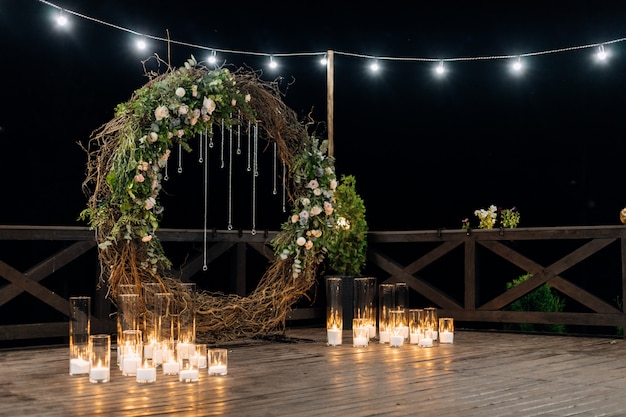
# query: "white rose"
{"points": [[301, 241], [209, 105], [161, 112], [153, 137], [180, 91]]}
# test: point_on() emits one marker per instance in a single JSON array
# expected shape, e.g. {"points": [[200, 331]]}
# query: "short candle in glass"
{"points": [[99, 358], [446, 330], [146, 373], [187, 372], [199, 357], [360, 333], [218, 361], [170, 361]]}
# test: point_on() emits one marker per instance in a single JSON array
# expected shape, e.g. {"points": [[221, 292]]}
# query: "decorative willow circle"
{"points": [[126, 157]]}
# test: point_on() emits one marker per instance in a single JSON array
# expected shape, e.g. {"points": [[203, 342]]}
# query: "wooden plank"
{"points": [[47, 267], [398, 274], [34, 288]]}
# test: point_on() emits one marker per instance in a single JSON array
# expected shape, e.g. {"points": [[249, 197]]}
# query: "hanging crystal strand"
{"points": [[238, 132], [222, 147], [255, 162], [206, 207], [274, 191], [249, 149], [209, 136], [180, 158], [254, 175], [284, 181], [200, 158], [166, 176], [230, 179]]}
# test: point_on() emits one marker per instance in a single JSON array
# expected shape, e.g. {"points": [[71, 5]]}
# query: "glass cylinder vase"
{"points": [[365, 303], [334, 311], [165, 317], [386, 303], [79, 327], [99, 358], [186, 323]]}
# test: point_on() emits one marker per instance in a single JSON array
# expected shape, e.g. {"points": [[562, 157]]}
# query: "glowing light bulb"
{"points": [[517, 66], [602, 54], [324, 60], [141, 44], [374, 66], [61, 19], [212, 58], [440, 69], [273, 63]]}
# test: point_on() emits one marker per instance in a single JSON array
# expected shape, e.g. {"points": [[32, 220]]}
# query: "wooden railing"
{"points": [[462, 273], [584, 264]]}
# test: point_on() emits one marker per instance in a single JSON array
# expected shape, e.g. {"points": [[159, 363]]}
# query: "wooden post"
{"points": [[330, 99]]}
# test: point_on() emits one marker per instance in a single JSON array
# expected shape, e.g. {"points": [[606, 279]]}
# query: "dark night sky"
{"points": [[426, 152]]}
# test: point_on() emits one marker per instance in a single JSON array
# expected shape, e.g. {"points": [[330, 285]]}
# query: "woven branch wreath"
{"points": [[126, 157]]}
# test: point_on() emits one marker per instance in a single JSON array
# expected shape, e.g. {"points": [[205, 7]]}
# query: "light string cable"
{"points": [[322, 53]]}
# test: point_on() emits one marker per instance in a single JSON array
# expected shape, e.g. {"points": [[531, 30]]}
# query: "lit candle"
{"points": [[99, 374], [148, 350], [185, 350], [146, 374], [404, 330], [79, 366], [217, 369], [384, 337], [360, 341], [426, 342], [188, 375], [157, 356], [446, 337], [414, 338], [372, 331], [334, 337], [396, 340], [170, 368], [130, 364], [198, 360]]}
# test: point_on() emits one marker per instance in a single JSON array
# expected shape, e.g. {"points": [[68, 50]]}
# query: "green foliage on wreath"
{"points": [[168, 111], [305, 235]]}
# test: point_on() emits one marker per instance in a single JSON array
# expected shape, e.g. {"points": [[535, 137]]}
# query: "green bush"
{"points": [[542, 298], [347, 251]]}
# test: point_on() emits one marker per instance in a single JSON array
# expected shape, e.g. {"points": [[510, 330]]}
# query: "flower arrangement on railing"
{"points": [[488, 218]]}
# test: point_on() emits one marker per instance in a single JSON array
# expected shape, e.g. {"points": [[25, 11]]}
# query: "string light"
{"points": [[212, 58], [273, 63], [601, 54], [517, 65], [61, 19], [324, 60], [440, 70], [141, 44]]}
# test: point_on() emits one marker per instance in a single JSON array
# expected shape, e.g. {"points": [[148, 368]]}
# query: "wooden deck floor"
{"points": [[481, 374]]}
